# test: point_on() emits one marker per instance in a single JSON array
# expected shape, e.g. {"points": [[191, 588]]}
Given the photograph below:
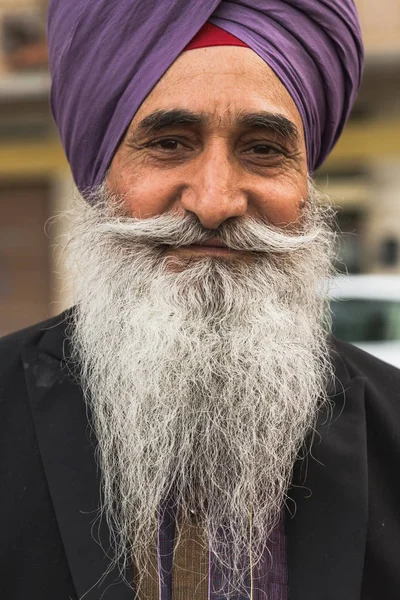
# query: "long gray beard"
{"points": [[204, 376]]}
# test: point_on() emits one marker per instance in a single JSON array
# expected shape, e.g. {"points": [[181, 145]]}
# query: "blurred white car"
{"points": [[366, 313]]}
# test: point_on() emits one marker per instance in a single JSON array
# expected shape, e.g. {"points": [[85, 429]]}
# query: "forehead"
{"points": [[221, 82]]}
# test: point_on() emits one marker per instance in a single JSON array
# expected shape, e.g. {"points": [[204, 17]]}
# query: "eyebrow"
{"points": [[268, 120], [162, 119]]}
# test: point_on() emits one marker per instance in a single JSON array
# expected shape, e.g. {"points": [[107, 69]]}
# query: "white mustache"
{"points": [[243, 233]]}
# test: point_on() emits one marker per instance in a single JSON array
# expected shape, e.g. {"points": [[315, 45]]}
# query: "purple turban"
{"points": [[105, 57]]}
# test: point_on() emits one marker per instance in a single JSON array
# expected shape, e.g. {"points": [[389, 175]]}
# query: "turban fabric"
{"points": [[106, 56]]}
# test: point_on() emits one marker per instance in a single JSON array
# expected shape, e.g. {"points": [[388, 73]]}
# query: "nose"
{"points": [[214, 193]]}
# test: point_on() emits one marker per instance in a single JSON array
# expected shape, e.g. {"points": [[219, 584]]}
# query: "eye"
{"points": [[168, 144], [263, 149]]}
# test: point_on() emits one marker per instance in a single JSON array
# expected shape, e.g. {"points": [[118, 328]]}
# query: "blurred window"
{"points": [[350, 226], [23, 38], [366, 320], [25, 277], [389, 252]]}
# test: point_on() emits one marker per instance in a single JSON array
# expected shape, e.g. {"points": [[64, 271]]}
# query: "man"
{"points": [[190, 429]]}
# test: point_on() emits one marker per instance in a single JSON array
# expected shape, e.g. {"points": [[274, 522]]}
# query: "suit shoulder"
{"points": [[378, 375], [11, 344]]}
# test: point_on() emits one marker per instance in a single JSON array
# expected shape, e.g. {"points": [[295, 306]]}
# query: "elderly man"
{"points": [[189, 430]]}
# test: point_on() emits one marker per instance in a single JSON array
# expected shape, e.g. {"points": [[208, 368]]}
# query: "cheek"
{"points": [[283, 202], [145, 194], [147, 198]]}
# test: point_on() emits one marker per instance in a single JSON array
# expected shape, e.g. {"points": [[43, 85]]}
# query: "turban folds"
{"points": [[105, 57]]}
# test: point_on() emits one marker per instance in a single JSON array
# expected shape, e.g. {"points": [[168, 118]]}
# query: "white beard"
{"points": [[203, 376]]}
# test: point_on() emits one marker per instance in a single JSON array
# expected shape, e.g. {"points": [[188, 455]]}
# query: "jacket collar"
{"points": [[326, 510]]}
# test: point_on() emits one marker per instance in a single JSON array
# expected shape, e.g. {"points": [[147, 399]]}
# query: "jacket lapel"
{"points": [[68, 454], [327, 533]]}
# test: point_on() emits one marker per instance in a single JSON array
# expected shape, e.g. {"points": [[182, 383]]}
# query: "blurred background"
{"points": [[362, 178]]}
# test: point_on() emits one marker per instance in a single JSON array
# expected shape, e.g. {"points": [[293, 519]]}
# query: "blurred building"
{"points": [[362, 176]]}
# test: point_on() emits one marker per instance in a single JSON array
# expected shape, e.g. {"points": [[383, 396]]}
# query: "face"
{"points": [[220, 137]]}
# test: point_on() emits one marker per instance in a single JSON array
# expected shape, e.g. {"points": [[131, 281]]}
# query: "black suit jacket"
{"points": [[343, 520]]}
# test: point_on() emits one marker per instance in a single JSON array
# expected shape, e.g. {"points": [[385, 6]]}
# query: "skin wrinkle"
{"points": [[276, 130], [204, 371], [160, 119]]}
